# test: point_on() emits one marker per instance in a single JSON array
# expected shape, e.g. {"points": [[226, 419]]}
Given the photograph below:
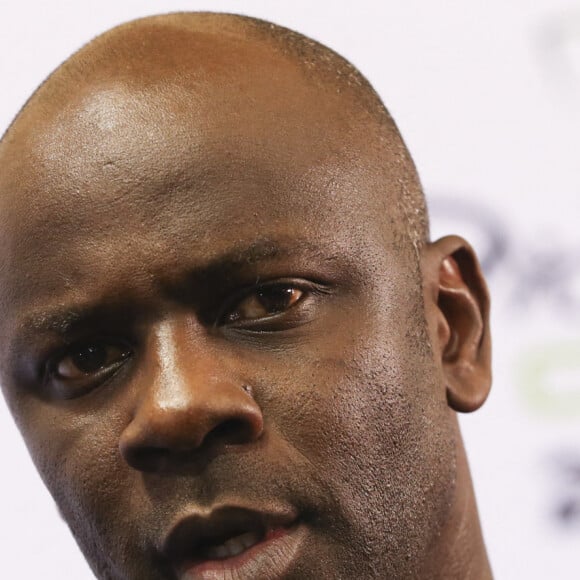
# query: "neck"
{"points": [[459, 552]]}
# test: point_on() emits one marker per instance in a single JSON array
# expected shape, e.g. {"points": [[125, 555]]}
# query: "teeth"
{"points": [[233, 546], [217, 552]]}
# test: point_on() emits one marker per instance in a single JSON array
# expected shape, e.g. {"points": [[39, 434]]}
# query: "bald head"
{"points": [[246, 70]]}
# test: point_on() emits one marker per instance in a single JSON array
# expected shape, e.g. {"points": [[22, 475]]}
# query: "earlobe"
{"points": [[458, 305]]}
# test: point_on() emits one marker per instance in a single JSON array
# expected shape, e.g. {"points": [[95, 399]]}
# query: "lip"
{"points": [[281, 535]]}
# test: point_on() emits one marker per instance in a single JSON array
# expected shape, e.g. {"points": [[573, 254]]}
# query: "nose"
{"points": [[186, 407]]}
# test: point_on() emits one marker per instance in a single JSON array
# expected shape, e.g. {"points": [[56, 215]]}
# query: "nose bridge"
{"points": [[187, 398], [177, 368]]}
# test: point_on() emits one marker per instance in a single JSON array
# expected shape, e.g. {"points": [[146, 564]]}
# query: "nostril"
{"points": [[147, 458], [232, 431]]}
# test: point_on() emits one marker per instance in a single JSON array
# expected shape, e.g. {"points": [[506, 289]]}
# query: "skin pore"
{"points": [[220, 315]]}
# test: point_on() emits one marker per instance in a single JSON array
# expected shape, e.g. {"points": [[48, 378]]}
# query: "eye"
{"points": [[266, 301], [90, 358], [85, 365]]}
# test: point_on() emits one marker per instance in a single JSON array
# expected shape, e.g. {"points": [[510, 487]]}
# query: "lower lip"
{"points": [[267, 560]]}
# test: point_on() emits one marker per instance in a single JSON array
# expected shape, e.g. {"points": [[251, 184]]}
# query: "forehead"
{"points": [[130, 158], [180, 163], [155, 123]]}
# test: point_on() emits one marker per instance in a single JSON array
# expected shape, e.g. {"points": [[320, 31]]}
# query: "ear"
{"points": [[457, 308]]}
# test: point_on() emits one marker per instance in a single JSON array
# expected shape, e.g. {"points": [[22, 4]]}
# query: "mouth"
{"points": [[234, 543]]}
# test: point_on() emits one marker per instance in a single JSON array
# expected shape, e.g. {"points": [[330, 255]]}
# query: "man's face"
{"points": [[212, 334]]}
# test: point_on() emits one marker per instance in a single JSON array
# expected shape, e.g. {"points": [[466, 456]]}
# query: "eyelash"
{"points": [[51, 375], [306, 288]]}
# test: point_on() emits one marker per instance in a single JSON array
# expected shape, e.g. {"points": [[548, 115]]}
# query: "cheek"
{"points": [[82, 468], [70, 446], [370, 416], [369, 401]]}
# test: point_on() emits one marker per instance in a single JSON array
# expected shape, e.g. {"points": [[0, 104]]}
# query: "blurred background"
{"points": [[487, 97]]}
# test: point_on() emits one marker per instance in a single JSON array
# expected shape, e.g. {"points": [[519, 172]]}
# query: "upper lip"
{"points": [[190, 533]]}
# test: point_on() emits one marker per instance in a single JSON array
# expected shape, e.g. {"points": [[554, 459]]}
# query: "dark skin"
{"points": [[210, 309]]}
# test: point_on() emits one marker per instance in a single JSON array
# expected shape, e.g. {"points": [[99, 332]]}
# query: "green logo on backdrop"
{"points": [[549, 379]]}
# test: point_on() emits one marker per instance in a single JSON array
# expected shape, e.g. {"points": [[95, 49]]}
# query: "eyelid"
{"points": [[52, 383], [308, 287], [53, 358]]}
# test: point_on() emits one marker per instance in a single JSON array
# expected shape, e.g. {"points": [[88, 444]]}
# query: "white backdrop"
{"points": [[487, 96]]}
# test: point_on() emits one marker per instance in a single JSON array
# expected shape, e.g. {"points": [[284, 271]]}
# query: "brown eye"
{"points": [[90, 359], [266, 301]]}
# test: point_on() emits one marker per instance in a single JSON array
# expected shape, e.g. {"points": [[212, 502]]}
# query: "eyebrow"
{"points": [[59, 320], [64, 320], [257, 251]]}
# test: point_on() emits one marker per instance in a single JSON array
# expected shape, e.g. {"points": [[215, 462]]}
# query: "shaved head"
{"points": [[225, 336], [177, 42]]}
